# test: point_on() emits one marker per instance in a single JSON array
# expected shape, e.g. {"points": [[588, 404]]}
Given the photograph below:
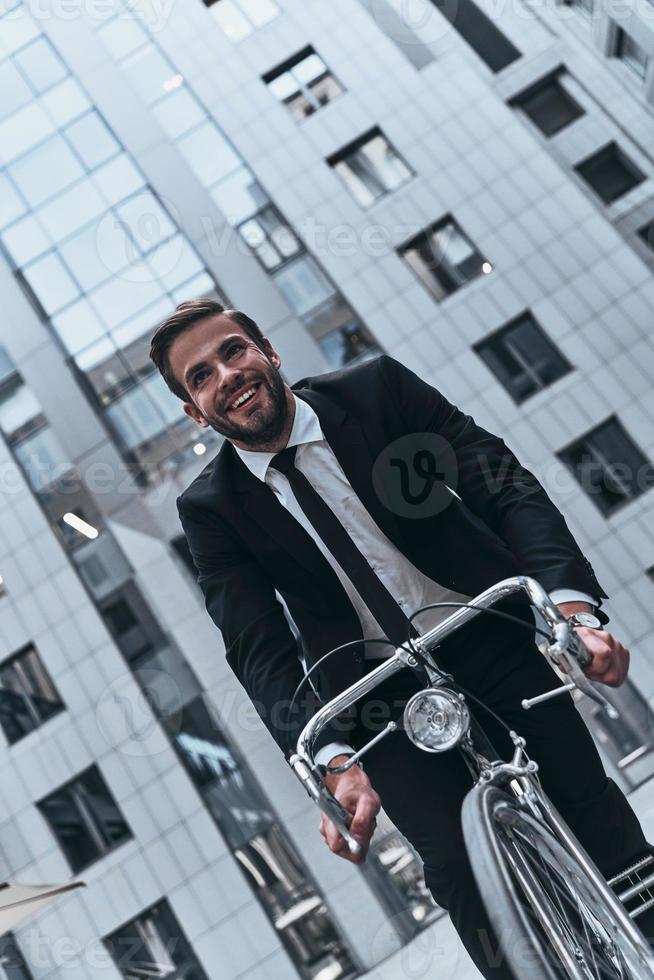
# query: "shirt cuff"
{"points": [[324, 755], [572, 595]]}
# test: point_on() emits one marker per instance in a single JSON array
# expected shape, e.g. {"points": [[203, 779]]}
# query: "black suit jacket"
{"points": [[246, 545]]}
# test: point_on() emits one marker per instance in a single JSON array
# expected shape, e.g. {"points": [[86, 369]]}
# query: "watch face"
{"points": [[587, 619]]}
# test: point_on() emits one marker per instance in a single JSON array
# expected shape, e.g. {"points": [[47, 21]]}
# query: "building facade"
{"points": [[468, 188]]}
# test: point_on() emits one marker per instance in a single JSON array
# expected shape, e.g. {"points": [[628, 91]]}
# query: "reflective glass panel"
{"points": [[146, 221], [230, 18], [303, 284], [118, 179], [46, 170], [51, 283], [41, 64], [14, 90], [25, 240], [16, 29], [92, 140], [11, 203], [78, 326], [64, 102], [208, 153], [259, 12], [22, 130], [239, 195], [71, 210]]}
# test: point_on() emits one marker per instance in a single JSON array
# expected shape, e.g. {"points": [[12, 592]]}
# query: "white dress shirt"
{"points": [[410, 587]]}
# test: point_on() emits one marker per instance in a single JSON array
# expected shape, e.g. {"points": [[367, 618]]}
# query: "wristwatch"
{"points": [[585, 619]]}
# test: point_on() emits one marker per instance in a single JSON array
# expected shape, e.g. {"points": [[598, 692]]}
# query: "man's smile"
{"points": [[244, 398]]}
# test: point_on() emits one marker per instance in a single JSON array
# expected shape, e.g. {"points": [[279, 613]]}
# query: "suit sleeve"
{"points": [[259, 645], [494, 485]]}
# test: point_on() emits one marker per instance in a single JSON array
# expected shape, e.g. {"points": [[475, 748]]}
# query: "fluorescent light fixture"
{"points": [[79, 525], [486, 268]]}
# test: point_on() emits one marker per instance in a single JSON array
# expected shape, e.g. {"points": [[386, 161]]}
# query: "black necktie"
{"points": [[376, 596]]}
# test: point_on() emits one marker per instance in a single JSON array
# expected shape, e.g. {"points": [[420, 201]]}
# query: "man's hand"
{"points": [[353, 791], [610, 663]]}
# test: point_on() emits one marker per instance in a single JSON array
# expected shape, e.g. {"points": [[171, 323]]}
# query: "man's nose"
{"points": [[229, 378]]}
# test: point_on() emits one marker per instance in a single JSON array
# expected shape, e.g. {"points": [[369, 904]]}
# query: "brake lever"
{"points": [[571, 663], [315, 787]]}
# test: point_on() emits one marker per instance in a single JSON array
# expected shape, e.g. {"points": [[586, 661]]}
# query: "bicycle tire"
{"points": [[538, 894]]}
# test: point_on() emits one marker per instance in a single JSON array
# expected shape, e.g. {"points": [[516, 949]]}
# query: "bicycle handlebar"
{"points": [[565, 650]]}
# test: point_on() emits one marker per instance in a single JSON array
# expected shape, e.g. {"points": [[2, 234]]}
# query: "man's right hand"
{"points": [[353, 791]]}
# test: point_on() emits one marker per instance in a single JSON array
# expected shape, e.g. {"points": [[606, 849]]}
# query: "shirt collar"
{"points": [[306, 428]]}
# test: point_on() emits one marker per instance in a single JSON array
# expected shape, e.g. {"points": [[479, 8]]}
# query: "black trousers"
{"points": [[422, 793]]}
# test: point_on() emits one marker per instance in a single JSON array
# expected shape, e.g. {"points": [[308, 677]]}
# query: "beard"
{"points": [[266, 423]]}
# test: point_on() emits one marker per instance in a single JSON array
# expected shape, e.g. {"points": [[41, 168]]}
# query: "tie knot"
{"points": [[285, 460]]}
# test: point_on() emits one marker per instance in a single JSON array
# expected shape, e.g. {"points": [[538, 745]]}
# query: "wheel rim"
{"points": [[582, 939]]}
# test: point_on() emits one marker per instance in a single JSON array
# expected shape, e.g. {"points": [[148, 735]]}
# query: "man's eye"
{"points": [[198, 378], [234, 347]]}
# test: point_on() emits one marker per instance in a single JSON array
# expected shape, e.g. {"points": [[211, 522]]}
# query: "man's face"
{"points": [[217, 363]]}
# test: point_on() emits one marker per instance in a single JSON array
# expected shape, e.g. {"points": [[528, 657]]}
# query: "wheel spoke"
{"points": [[576, 933]]}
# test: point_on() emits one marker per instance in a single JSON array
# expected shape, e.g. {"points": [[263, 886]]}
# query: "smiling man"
{"points": [[288, 507]]}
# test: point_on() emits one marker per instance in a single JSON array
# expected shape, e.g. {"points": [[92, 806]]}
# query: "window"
{"points": [[85, 819], [154, 945], [12, 963], [523, 358], [370, 167], [28, 698], [610, 173], [239, 18], [479, 31], [395, 874], [270, 238], [444, 258], [630, 52], [549, 106], [273, 868], [303, 83], [646, 233], [609, 466], [131, 624]]}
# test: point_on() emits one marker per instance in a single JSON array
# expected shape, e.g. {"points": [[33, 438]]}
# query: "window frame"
{"points": [[87, 818], [304, 89], [13, 662], [609, 152], [572, 456], [439, 286], [353, 149], [530, 371], [551, 79]]}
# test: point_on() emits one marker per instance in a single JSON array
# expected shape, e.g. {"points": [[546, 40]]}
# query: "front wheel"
{"points": [[553, 914]]}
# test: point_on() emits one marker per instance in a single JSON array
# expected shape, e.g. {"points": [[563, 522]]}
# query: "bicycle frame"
{"points": [[565, 650]]}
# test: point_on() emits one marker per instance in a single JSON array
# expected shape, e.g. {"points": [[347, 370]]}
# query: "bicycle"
{"points": [[538, 884]]}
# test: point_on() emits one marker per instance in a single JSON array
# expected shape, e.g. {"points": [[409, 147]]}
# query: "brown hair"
{"points": [[185, 316]]}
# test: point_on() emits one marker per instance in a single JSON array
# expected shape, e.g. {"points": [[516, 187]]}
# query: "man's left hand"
{"points": [[610, 662]]}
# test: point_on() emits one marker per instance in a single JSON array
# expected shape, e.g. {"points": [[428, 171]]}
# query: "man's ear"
{"points": [[271, 353], [195, 414]]}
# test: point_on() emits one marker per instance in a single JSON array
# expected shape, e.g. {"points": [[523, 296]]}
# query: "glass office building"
{"points": [[474, 198]]}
